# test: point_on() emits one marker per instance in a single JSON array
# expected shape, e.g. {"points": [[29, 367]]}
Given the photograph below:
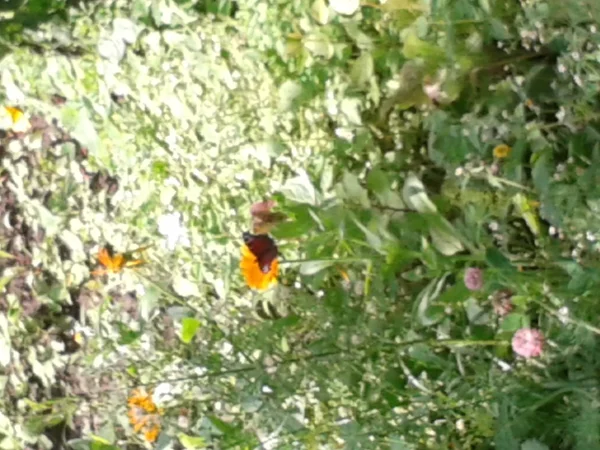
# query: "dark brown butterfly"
{"points": [[263, 248]]}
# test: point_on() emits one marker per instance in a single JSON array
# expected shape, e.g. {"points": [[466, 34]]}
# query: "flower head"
{"points": [[528, 342], [502, 302], [255, 275], [501, 151], [13, 119], [143, 414], [473, 278], [114, 263]]}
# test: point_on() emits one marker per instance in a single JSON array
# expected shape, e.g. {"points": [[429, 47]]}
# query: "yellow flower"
{"points": [[144, 415], [501, 151], [13, 119], [253, 273]]}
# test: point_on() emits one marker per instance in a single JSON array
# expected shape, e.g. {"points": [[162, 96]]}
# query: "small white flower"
{"points": [[170, 227], [563, 314]]}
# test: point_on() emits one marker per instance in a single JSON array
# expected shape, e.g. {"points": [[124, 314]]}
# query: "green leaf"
{"points": [[455, 294], [351, 109], [403, 5], [424, 311], [127, 335], [289, 91], [415, 197], [362, 70], [496, 259], [82, 128], [513, 322], [191, 442], [222, 426], [4, 255], [378, 182], [300, 189], [352, 190], [319, 45], [416, 48], [149, 301], [320, 11], [444, 240], [542, 172], [185, 287], [189, 327], [527, 212], [312, 267], [533, 444]]}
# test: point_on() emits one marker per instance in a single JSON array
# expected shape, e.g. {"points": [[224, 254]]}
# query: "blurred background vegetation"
{"points": [[438, 162]]}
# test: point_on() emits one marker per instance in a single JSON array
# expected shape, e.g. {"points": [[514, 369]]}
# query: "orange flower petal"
{"points": [[254, 276]]}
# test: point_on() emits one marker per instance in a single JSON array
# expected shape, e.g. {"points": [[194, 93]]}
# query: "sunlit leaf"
{"points": [[189, 327]]}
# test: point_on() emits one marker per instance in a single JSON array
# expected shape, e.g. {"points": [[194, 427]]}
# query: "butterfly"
{"points": [[263, 219], [114, 263], [263, 248]]}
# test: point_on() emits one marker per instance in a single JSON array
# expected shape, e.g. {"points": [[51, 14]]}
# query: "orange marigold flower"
{"points": [[502, 151], [253, 273], [143, 414]]}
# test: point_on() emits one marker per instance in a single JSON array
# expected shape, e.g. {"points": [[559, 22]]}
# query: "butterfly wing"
{"points": [[263, 248]]}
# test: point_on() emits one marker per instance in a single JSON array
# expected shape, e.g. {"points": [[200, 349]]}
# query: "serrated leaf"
{"points": [[189, 327]]}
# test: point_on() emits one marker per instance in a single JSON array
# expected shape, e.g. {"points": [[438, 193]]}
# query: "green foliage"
{"points": [[374, 127]]}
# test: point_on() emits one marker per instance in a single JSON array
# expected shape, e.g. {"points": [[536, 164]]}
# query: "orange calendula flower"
{"points": [[114, 263], [259, 263], [13, 119], [143, 414], [502, 151]]}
